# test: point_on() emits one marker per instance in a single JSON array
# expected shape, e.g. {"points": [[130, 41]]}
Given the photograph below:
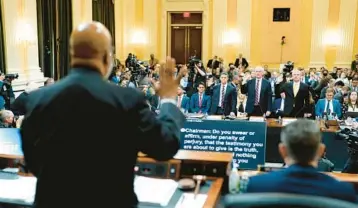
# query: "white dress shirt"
{"points": [[330, 106], [282, 107]]}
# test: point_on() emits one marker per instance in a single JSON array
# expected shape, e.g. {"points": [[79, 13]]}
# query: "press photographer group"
{"points": [[7, 95]]}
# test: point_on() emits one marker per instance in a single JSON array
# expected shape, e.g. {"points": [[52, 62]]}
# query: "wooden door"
{"points": [[178, 44], [184, 41], [194, 40]]}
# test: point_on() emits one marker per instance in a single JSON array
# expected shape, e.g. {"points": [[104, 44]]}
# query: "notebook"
{"points": [[154, 191]]}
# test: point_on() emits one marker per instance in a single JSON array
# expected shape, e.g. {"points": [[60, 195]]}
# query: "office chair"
{"points": [[281, 200]]}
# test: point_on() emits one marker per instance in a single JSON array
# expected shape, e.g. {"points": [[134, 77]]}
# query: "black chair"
{"points": [[280, 200]]}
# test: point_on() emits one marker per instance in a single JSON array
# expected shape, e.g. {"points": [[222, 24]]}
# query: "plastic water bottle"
{"points": [[234, 180]]}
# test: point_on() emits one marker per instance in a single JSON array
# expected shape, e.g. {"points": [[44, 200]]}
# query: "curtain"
{"points": [[46, 25], [64, 20], [103, 11], [2, 43]]}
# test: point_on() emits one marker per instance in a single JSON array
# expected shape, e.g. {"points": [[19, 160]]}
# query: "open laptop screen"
{"points": [[10, 143]]}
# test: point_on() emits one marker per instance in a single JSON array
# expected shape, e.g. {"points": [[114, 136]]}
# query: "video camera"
{"points": [[288, 67], [351, 136], [11, 76]]}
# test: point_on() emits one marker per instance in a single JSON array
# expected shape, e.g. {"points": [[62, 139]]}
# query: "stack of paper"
{"points": [[154, 191], [188, 200], [23, 188]]}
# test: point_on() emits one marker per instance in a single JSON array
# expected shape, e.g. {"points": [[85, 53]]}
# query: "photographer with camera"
{"points": [[351, 137], [6, 92]]}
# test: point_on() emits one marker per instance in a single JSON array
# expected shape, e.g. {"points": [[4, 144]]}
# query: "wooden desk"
{"points": [[345, 177], [272, 122], [185, 164], [197, 156], [214, 194]]}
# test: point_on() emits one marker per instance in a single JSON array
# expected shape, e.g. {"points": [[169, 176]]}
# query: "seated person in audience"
{"points": [[18, 106], [6, 119], [241, 103], [328, 106], [301, 149], [279, 105], [115, 76], [341, 94], [182, 100], [352, 102], [199, 102]]}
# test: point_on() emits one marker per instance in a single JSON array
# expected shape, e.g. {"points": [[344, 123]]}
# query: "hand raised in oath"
{"points": [[168, 83]]}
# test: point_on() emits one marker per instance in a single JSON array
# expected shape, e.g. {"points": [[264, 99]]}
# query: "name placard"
{"points": [[247, 140]]}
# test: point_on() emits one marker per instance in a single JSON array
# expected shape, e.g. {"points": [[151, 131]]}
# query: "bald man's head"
{"points": [[91, 47]]}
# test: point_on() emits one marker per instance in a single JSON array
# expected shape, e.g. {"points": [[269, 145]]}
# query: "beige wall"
{"points": [[251, 19]]}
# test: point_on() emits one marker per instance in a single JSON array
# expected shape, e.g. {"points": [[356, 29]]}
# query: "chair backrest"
{"points": [[281, 200]]}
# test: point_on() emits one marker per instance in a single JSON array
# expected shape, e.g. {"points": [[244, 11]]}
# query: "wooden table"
{"points": [[214, 193], [184, 156], [272, 122], [198, 156]]}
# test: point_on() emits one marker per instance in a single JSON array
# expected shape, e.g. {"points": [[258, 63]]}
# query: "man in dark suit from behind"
{"points": [[301, 148], [259, 94], [297, 96], [70, 153]]}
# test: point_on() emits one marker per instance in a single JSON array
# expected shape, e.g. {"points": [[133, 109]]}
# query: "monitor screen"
{"points": [[10, 143]]}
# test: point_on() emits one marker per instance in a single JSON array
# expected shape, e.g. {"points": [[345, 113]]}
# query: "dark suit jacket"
{"points": [[301, 101], [276, 105], [194, 103], [244, 63], [302, 180], [77, 128], [229, 102], [265, 95]]}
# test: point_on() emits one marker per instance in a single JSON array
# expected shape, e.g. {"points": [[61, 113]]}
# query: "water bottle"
{"points": [[234, 180]]}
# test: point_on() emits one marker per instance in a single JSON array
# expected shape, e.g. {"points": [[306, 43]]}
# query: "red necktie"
{"points": [[200, 100], [179, 102], [222, 96], [257, 93]]}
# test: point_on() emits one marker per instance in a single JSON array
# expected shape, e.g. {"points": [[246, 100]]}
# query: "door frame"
{"points": [[169, 31], [187, 6]]}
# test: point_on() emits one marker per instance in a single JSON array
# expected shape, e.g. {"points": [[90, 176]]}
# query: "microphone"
{"points": [[325, 116]]}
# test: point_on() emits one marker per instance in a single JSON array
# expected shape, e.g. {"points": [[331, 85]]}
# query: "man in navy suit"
{"points": [[328, 106], [259, 94], [182, 100], [199, 102], [301, 149], [224, 97]]}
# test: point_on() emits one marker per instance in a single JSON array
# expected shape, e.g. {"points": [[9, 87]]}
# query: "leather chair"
{"points": [[281, 200]]}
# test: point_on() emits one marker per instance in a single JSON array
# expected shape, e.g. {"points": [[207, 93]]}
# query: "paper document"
{"points": [[187, 200], [156, 191], [23, 188]]}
